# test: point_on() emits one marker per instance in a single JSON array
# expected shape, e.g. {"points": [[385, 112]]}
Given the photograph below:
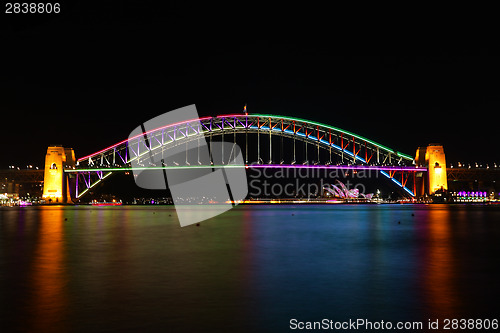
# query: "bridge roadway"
{"points": [[473, 174], [22, 182], [387, 171], [22, 176], [255, 166]]}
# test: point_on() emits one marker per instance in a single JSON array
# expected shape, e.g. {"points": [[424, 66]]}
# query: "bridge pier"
{"points": [[433, 158], [55, 182]]}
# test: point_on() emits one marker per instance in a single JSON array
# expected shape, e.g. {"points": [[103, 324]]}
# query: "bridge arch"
{"points": [[352, 148]]}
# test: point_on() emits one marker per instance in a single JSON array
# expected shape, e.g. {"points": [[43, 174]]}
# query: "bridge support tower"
{"points": [[433, 158], [55, 182]]}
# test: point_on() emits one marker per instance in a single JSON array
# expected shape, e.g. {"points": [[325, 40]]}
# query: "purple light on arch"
{"points": [[344, 167]]}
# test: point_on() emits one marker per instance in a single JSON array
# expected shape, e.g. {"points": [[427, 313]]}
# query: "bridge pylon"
{"points": [[55, 181], [433, 158]]}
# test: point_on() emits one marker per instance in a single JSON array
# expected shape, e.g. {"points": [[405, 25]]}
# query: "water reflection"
{"points": [[140, 271], [439, 271], [250, 269], [49, 300]]}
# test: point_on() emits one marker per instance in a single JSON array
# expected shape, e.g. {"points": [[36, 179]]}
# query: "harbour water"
{"points": [[254, 268]]}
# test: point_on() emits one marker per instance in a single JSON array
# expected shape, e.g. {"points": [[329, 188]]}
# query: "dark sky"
{"points": [[88, 76]]}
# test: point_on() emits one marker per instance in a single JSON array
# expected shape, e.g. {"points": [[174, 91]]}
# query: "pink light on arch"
{"points": [[138, 135]]}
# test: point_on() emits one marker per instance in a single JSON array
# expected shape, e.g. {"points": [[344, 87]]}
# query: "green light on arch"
{"points": [[335, 129]]}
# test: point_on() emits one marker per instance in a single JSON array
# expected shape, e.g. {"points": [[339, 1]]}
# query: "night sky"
{"points": [[86, 77]]}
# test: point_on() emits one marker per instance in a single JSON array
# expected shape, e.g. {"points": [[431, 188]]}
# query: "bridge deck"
{"points": [[262, 166], [472, 174]]}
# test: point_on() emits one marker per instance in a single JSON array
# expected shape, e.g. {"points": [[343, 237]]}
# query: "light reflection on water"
{"points": [[252, 268], [48, 300]]}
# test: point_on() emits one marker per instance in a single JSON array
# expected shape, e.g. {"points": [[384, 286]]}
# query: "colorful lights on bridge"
{"points": [[345, 143], [264, 116], [325, 126], [260, 166]]}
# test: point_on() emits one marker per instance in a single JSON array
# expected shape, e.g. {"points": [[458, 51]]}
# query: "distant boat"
{"points": [[106, 203]]}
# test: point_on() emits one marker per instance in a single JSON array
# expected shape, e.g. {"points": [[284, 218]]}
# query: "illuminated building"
{"points": [[341, 191], [433, 158], [55, 186]]}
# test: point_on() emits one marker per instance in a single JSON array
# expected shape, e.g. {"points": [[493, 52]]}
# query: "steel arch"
{"points": [[357, 149], [353, 145]]}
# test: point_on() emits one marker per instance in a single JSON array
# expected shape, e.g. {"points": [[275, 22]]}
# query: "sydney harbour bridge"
{"points": [[263, 141]]}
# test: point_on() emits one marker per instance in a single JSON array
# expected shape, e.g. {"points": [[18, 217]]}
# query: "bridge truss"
{"points": [[321, 146]]}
